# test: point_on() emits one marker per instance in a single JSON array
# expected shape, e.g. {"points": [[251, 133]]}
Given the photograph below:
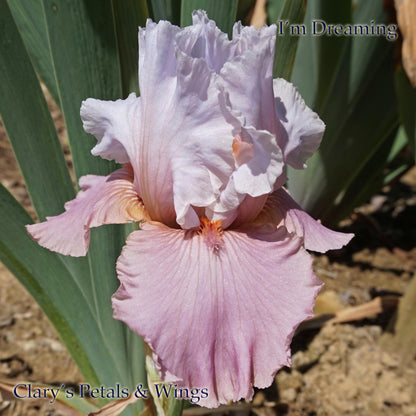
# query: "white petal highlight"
{"points": [[248, 37], [248, 80], [204, 40], [185, 150], [300, 130], [114, 124]]}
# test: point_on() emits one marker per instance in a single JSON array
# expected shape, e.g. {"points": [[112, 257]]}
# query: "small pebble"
{"points": [[6, 321], [389, 361], [288, 395]]}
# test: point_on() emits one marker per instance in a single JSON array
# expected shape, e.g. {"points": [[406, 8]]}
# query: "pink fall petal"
{"points": [[220, 319], [281, 207], [103, 200]]}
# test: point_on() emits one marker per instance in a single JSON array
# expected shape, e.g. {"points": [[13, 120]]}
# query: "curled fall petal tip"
{"points": [[218, 278]]}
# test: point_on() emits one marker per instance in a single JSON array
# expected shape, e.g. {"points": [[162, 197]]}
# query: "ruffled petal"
{"points": [[114, 124], [157, 60], [248, 79], [183, 156], [185, 150], [249, 37], [103, 200], [245, 77], [258, 175], [281, 209], [261, 170], [205, 40], [187, 155], [244, 65], [258, 168], [300, 130], [218, 310]]}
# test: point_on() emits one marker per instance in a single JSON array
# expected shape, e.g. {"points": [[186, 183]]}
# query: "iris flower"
{"points": [[218, 277]]}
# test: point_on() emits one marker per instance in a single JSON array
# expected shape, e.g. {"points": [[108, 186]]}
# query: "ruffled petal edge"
{"points": [[102, 200]]}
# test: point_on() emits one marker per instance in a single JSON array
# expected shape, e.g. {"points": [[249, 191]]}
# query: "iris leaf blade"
{"points": [[304, 71], [37, 268], [129, 15], [85, 41], [274, 10], [29, 124], [286, 45], [165, 10], [371, 177], [406, 96], [358, 121], [243, 9], [318, 57], [32, 133], [356, 135], [30, 20], [328, 49], [47, 279]]}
